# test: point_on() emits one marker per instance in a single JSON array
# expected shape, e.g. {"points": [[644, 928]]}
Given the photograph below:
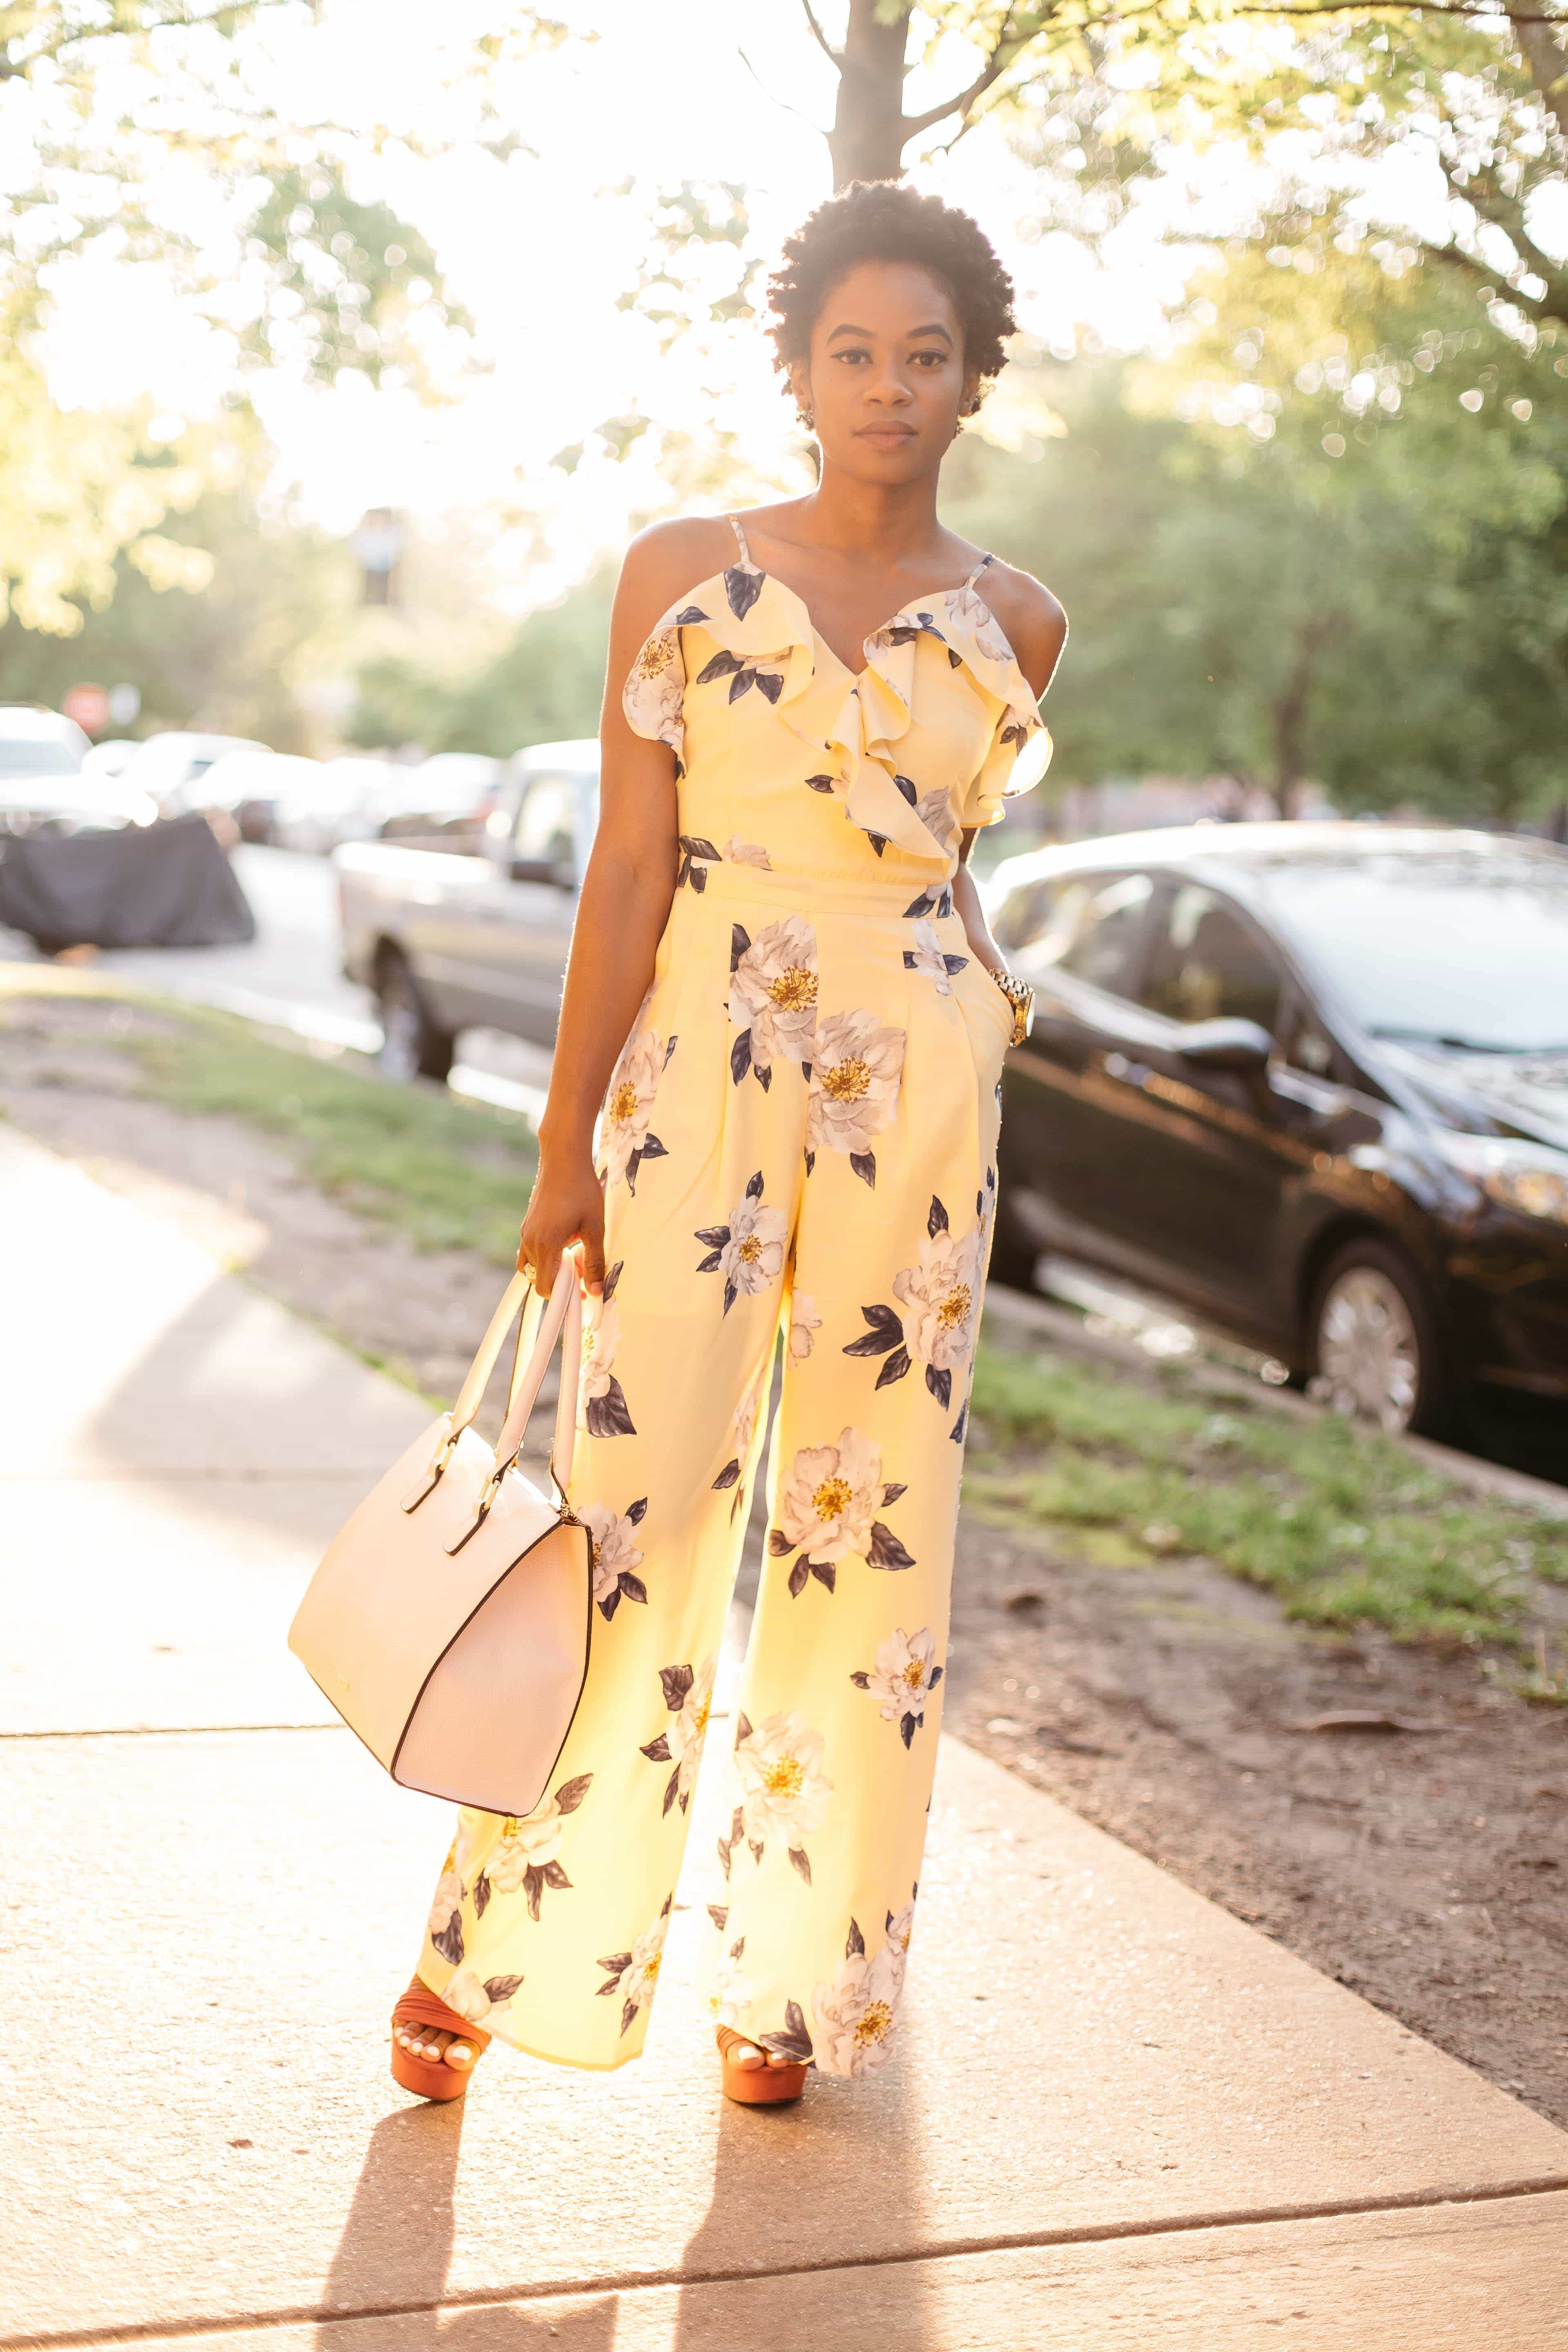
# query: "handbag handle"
{"points": [[543, 1323]]}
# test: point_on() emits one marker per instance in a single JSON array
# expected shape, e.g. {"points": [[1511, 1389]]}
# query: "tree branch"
{"points": [[834, 57], [1004, 51], [1544, 54]]}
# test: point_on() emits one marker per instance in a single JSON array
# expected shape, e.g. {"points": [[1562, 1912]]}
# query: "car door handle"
{"points": [[1131, 1074]]}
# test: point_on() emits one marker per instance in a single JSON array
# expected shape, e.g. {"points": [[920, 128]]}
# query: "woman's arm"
{"points": [[1037, 628], [621, 916]]}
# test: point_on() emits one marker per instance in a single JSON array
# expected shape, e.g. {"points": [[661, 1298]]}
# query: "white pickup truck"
{"points": [[450, 941]]}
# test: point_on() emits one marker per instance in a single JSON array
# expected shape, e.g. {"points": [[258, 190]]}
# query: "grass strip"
{"points": [[1331, 1517]]}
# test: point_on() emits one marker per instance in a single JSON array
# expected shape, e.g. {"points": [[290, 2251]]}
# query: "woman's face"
{"points": [[885, 378]]}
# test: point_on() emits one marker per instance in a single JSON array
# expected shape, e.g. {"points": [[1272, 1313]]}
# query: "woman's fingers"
{"points": [[591, 1254]]}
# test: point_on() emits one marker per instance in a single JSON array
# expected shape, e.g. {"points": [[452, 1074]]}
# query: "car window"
{"points": [[1096, 932], [547, 819], [1206, 965], [1303, 1046]]}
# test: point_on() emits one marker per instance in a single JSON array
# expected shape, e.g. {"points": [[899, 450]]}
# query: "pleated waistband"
{"points": [[818, 897]]}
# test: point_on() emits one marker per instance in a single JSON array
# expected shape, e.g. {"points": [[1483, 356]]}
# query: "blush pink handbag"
{"points": [[449, 1622]]}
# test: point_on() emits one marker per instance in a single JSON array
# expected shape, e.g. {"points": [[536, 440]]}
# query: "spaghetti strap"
{"points": [[978, 570], [741, 544]]}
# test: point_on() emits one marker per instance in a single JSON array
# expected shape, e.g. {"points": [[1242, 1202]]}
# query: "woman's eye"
{"points": [[852, 356], [930, 359]]}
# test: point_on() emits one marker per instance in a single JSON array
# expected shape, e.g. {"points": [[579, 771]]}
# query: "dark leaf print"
{"points": [[1016, 734], [720, 1915], [810, 1161], [615, 1966], [633, 1587], [878, 842], [632, 1164], [885, 1550], [481, 1896], [907, 789], [737, 1947], [891, 1494], [741, 1055], [797, 1577], [779, 1543], [795, 2042], [862, 1679], [669, 1050], [533, 1881], [657, 1750], [923, 905], [449, 1942], [979, 1205], [805, 1074], [800, 1861], [770, 682], [571, 1793], [936, 1675], [653, 1149], [627, 2014], [739, 943], [697, 846], [721, 665], [937, 1221], [636, 1512], [897, 1365], [740, 682], [501, 1988], [607, 1416], [955, 658], [730, 1473], [756, 1846], [907, 1727], [824, 1572], [864, 1163], [820, 783], [611, 1602], [731, 1294], [672, 1791], [939, 1385], [887, 1331], [742, 588], [912, 960], [611, 1279], [555, 1875], [712, 1236], [725, 1850], [689, 615], [754, 1188], [697, 876], [957, 1430], [763, 1073], [954, 964], [676, 1681], [711, 1263], [855, 1947]]}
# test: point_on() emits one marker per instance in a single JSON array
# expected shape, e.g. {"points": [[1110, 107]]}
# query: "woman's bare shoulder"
{"points": [[668, 558], [1035, 621]]}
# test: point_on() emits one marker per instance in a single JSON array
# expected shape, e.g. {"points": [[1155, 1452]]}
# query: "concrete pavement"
{"points": [[1120, 2118]]}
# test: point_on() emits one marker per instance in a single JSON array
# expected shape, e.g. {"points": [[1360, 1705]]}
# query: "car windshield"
{"points": [[1469, 952], [34, 755]]}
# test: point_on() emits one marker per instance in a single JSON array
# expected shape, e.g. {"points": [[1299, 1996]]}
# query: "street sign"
{"points": [[88, 706]]}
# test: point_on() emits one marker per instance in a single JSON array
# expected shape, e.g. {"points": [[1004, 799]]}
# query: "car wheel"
{"points": [[412, 1046], [1376, 1349]]}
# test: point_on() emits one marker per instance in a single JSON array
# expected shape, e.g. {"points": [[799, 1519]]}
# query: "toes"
{"points": [[459, 2054], [745, 2055], [776, 2059]]}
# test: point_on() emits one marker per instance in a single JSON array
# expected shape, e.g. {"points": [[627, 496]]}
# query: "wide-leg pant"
{"points": [[799, 1139]]}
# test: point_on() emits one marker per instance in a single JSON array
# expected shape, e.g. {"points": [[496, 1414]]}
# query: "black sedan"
{"points": [[1311, 1080]]}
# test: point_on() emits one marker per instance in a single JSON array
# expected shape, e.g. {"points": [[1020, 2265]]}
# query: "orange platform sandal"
{"points": [[756, 2087], [432, 2078]]}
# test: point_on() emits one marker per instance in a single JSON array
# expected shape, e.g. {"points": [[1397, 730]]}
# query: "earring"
{"points": [[808, 419]]}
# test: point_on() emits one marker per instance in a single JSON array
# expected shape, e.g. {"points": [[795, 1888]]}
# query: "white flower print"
{"points": [[937, 813], [444, 1927], [690, 1699], [926, 956], [827, 1510], [476, 2001], [628, 1105], [934, 1321], [750, 1250], [856, 2015], [601, 1401], [901, 1928], [654, 692], [745, 853], [982, 624], [742, 1428], [780, 1783], [804, 1322], [773, 997], [524, 1855], [729, 1991], [857, 1065], [905, 1674], [634, 1974], [615, 1553]]}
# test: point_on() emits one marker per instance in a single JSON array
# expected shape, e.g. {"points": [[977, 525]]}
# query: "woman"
{"points": [[783, 993]]}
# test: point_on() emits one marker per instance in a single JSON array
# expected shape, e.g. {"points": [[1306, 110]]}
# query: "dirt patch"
{"points": [[1159, 1698]]}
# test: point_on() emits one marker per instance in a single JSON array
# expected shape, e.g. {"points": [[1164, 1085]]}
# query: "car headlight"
{"points": [[1530, 1178]]}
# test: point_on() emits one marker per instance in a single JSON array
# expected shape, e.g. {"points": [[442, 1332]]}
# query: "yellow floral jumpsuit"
{"points": [[800, 1137]]}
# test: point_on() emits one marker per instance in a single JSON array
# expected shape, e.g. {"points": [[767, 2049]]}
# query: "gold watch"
{"points": [[1021, 997]]}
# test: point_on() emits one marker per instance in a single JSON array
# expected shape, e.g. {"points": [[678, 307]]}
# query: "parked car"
{"points": [[1311, 1080], [70, 803], [250, 787], [334, 808], [449, 943], [112, 757], [444, 804], [170, 766], [39, 742]]}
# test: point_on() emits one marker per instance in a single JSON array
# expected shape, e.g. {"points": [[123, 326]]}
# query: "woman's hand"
{"points": [[566, 1206]]}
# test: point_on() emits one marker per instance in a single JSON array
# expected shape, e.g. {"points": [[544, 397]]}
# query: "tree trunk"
{"points": [[1291, 714], [867, 141], [1545, 54]]}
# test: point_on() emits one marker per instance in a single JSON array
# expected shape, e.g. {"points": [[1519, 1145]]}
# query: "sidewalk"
{"points": [[1119, 2118]]}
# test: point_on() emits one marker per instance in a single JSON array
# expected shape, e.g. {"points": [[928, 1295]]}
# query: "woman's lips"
{"points": [[890, 433]]}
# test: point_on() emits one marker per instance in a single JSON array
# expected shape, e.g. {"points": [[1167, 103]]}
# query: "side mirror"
{"points": [[1242, 1047]]}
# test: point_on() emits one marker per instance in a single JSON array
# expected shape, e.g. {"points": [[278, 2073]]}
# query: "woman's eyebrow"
{"points": [[850, 330], [935, 328]]}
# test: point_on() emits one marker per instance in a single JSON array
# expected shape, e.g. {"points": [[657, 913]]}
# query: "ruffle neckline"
{"points": [[766, 638]]}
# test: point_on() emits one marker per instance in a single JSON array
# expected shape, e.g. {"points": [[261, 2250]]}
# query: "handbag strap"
{"points": [[542, 1324]]}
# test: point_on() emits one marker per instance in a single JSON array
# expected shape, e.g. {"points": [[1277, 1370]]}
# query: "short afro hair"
{"points": [[883, 220]]}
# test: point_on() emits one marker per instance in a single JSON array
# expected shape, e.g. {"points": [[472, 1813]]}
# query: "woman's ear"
{"points": [[800, 385]]}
